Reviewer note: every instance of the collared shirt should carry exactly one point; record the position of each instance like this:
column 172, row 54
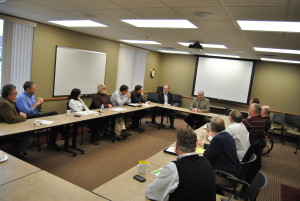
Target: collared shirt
column 166, row 99
column 240, row 135
column 166, row 182
column 77, row 105
column 99, row 99
column 117, row 99
column 25, row 103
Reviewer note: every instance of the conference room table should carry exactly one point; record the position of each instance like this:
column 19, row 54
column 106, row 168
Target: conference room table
column 124, row 187
column 14, row 168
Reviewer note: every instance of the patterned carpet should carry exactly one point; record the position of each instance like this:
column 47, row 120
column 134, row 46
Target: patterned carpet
column 101, row 163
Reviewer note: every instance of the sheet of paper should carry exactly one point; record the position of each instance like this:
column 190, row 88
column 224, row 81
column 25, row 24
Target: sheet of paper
column 156, row 172
column 171, row 149
column 200, row 151
column 118, row 109
column 46, row 122
column 87, row 112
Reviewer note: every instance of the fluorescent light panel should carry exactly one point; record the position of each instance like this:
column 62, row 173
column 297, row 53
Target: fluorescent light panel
column 160, row 23
column 205, row 45
column 142, row 42
column 281, row 60
column 278, row 26
column 222, row 55
column 173, row 52
column 262, row 49
column 78, row 23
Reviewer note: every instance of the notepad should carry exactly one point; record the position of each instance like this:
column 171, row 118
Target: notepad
column 46, row 122
column 200, row 150
column 87, row 112
column 156, row 172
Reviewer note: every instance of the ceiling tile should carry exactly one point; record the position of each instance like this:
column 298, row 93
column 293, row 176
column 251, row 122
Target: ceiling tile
column 294, row 13
column 257, row 13
column 29, row 6
column 219, row 13
column 139, row 3
column 63, row 5
column 254, row 2
column 294, row 3
column 119, row 14
column 157, row 13
column 218, row 25
column 191, row 3
column 264, row 39
column 291, row 41
column 95, row 4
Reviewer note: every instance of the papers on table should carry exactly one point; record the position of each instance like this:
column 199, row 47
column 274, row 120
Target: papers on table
column 135, row 104
column 156, row 172
column 200, row 151
column 171, row 150
column 87, row 112
column 118, row 109
column 46, row 122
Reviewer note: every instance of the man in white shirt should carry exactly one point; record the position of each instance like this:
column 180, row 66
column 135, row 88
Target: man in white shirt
column 190, row 177
column 239, row 133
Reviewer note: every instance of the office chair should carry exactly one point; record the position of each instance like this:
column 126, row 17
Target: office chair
column 153, row 97
column 159, row 89
column 278, row 124
column 259, row 182
column 295, row 131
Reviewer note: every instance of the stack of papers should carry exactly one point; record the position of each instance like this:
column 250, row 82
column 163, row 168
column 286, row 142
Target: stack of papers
column 156, row 172
column 46, row 122
column 118, row 109
column 87, row 112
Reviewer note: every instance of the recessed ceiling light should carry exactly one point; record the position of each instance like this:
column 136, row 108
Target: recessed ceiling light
column 142, row 42
column 203, row 14
column 279, row 26
column 222, row 55
column 160, row 23
column 173, row 52
column 262, row 49
column 78, row 23
column 205, row 45
column 280, row 60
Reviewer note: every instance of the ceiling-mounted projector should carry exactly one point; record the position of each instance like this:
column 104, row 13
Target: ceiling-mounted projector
column 196, row 45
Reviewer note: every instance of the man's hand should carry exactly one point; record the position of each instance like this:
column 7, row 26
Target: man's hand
column 199, row 110
column 110, row 106
column 40, row 101
column 200, row 143
column 23, row 115
column 128, row 95
column 194, row 109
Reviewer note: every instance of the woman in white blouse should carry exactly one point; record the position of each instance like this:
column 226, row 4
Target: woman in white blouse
column 77, row 105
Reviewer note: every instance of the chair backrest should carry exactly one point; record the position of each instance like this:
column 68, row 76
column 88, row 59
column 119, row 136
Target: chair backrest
column 297, row 122
column 248, row 170
column 159, row 89
column 176, row 98
column 290, row 118
column 152, row 97
column 259, row 182
column 278, row 119
column 68, row 108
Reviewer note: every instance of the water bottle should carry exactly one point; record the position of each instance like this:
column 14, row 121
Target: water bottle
column 102, row 109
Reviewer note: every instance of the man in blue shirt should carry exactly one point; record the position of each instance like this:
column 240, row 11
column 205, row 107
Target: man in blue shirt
column 28, row 104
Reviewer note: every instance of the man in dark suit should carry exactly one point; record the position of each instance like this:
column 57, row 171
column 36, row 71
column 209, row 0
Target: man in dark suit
column 166, row 98
column 10, row 115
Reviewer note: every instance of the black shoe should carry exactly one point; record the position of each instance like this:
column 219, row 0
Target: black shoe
column 125, row 135
column 118, row 137
column 95, row 143
column 172, row 127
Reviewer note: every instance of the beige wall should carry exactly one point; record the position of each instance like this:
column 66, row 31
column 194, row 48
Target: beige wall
column 274, row 83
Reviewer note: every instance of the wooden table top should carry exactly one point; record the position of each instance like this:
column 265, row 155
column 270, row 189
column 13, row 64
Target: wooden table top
column 43, row 186
column 15, row 168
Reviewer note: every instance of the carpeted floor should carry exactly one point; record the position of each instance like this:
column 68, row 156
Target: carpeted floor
column 101, row 163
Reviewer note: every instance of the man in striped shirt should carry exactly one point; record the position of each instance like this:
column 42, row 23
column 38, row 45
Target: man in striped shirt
column 255, row 123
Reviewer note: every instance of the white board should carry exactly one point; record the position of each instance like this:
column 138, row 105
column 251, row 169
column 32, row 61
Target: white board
column 224, row 79
column 76, row 68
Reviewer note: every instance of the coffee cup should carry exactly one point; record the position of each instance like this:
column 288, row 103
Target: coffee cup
column 142, row 167
column 68, row 112
column 2, row 154
column 37, row 122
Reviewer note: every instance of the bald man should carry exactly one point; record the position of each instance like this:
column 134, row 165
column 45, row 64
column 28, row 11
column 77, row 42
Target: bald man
column 265, row 113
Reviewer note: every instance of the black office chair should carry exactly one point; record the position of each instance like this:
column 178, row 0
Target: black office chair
column 296, row 131
column 278, row 125
column 153, row 97
column 160, row 89
column 259, row 182
column 176, row 99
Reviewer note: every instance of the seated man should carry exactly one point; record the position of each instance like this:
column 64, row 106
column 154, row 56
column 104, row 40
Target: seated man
column 119, row 98
column 221, row 152
column 265, row 113
column 201, row 105
column 27, row 103
column 10, row 115
column 255, row 123
column 253, row 100
column 137, row 97
column 166, row 98
column 189, row 178
column 239, row 133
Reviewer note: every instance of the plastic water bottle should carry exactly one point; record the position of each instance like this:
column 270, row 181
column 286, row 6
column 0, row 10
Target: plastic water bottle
column 102, row 109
